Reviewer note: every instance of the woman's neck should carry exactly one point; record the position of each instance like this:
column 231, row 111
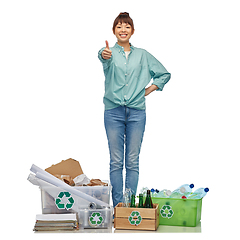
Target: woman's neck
column 126, row 45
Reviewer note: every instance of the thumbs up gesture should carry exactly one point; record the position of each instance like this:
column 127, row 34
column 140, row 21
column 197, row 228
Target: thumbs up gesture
column 106, row 53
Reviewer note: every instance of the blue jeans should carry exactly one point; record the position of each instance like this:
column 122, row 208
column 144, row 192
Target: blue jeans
column 124, row 128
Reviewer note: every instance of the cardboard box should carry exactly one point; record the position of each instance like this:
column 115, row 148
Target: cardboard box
column 136, row 218
column 66, row 167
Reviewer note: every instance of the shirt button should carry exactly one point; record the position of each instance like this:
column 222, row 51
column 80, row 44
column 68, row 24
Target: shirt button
column 126, row 84
column 125, row 96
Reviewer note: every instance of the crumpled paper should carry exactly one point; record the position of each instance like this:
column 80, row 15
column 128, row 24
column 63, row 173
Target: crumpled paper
column 81, row 180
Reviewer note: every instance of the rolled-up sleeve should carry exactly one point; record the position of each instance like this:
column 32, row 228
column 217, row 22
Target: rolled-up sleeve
column 158, row 72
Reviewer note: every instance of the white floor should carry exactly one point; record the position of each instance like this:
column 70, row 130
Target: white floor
column 161, row 229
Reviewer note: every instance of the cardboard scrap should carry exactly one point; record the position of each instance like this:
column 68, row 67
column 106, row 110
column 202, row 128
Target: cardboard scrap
column 69, row 167
column 96, row 182
column 66, row 178
column 68, row 171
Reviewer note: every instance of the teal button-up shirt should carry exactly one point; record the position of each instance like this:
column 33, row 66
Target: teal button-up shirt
column 127, row 78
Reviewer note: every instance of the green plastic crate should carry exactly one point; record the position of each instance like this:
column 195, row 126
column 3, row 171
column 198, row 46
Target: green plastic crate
column 179, row 212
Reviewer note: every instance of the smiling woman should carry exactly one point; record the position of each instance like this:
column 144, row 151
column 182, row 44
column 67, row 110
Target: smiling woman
column 128, row 70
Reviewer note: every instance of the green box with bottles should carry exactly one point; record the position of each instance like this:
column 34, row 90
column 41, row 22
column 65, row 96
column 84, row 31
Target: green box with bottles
column 179, row 212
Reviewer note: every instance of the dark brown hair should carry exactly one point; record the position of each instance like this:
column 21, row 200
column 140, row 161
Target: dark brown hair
column 123, row 18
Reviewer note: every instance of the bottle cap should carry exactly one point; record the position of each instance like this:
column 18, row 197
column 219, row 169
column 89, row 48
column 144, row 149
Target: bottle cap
column 157, row 191
column 184, row 197
column 182, row 190
column 152, row 190
column 168, row 192
column 206, row 189
column 191, row 185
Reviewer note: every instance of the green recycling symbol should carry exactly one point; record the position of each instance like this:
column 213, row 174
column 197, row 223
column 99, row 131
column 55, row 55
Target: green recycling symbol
column 135, row 218
column 166, row 211
column 64, row 202
column 95, row 219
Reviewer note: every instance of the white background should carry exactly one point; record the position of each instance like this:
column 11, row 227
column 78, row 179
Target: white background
column 51, row 91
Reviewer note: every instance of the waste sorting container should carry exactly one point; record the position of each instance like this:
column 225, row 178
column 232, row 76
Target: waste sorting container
column 179, row 212
column 56, row 200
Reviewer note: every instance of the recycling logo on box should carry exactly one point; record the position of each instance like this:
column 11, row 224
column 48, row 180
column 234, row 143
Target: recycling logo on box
column 95, row 219
column 64, row 200
column 166, row 211
column 135, row 218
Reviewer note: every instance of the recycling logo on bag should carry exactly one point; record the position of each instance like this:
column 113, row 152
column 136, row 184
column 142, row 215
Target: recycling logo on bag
column 166, row 211
column 64, row 200
column 135, row 218
column 95, row 219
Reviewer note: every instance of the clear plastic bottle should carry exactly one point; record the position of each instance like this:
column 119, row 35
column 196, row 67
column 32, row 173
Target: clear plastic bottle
column 183, row 190
column 163, row 194
column 154, row 192
column 198, row 194
column 188, row 187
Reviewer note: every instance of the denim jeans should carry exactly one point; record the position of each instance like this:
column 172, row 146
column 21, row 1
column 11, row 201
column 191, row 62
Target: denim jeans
column 124, row 128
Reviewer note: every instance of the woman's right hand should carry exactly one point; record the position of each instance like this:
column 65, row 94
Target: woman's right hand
column 106, row 53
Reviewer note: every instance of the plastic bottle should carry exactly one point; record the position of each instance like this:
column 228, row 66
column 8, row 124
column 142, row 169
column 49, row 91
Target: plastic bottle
column 188, row 187
column 185, row 189
column 178, row 193
column 163, row 194
column 154, row 192
column 198, row 194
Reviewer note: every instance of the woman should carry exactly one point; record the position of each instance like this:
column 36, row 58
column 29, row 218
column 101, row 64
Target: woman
column 128, row 70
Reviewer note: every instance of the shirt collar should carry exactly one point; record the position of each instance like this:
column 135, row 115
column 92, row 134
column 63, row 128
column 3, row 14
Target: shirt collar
column 122, row 48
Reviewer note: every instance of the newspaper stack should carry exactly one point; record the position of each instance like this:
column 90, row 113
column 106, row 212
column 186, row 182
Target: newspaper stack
column 56, row 222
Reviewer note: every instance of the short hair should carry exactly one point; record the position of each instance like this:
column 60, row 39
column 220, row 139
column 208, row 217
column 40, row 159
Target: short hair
column 123, row 18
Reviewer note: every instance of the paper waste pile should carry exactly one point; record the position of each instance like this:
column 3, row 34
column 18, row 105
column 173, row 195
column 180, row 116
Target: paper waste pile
column 66, row 181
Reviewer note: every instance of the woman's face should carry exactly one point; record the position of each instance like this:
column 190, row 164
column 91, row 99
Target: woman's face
column 123, row 32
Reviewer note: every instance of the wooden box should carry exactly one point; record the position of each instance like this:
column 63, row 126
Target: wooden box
column 136, row 218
